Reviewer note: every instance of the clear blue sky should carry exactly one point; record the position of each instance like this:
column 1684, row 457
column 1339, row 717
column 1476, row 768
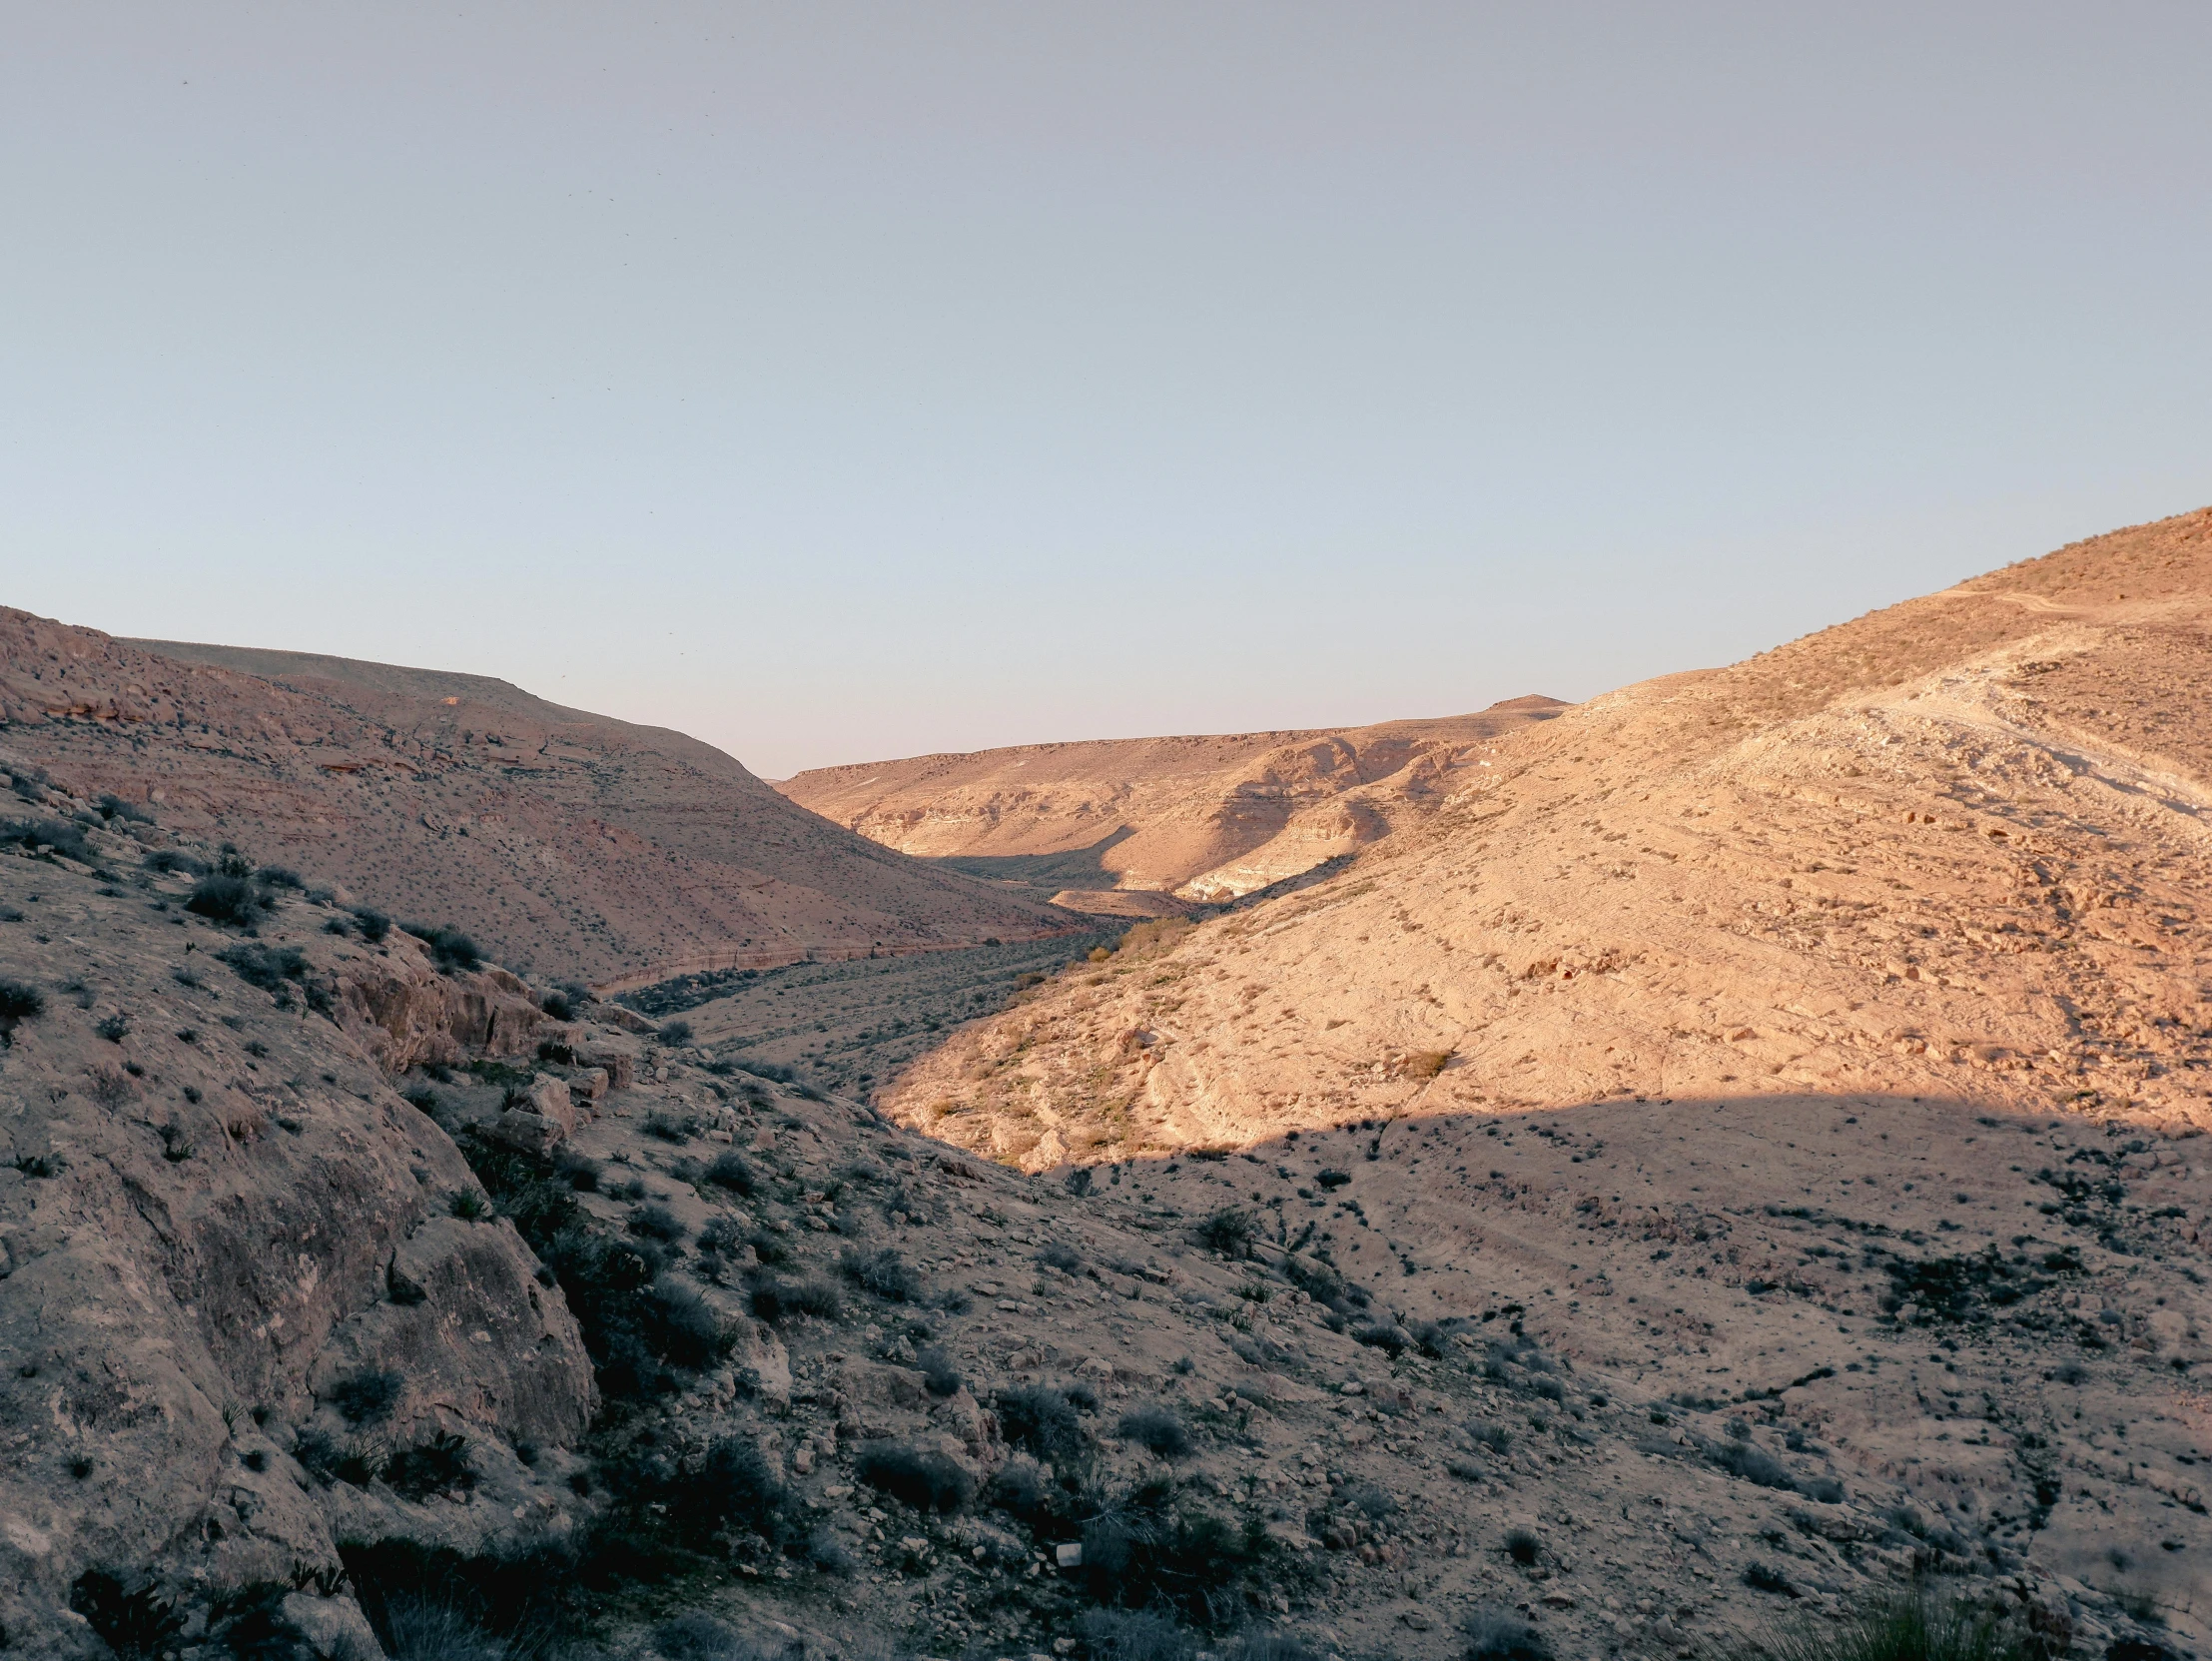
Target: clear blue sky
column 838, row 383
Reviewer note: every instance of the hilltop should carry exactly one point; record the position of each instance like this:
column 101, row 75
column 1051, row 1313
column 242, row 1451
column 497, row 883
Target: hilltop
column 1204, row 818
column 571, row 844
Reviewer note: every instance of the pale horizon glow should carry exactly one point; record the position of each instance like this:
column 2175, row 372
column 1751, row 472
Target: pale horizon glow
column 838, row 383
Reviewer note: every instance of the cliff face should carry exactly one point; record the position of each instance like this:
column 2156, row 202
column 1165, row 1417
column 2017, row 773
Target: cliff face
column 1206, row 818
column 571, row 845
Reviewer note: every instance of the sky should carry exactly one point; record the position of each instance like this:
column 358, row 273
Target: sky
column 841, row 382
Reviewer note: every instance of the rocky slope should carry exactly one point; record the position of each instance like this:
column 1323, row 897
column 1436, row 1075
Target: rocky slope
column 1205, row 818
column 571, row 844
column 1954, row 847
column 1754, row 1023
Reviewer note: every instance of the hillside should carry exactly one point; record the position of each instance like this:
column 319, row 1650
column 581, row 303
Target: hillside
column 569, row 844
column 358, row 1303
column 1204, row 818
column 1954, row 847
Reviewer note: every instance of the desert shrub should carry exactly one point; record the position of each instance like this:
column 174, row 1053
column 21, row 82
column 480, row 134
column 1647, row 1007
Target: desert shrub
column 939, row 1372
column 468, row 1205
column 1045, row 1421
column 1229, row 1231
column 773, row 1071
column 1753, row 1465
column 135, row 1622
column 20, row 1001
column 1429, row 1338
column 722, row 1236
column 1765, row 1577
column 1523, row 1547
column 830, row 1554
column 1387, row 1336
column 657, row 1222
column 698, row 1636
column 1467, row 1470
column 676, row 1129
column 372, row 924
column 434, row 1604
column 1369, row 1499
column 2066, row 1372
column 578, row 1171
column 1061, row 1256
column 450, row 950
column 1495, row 1438
column 1157, row 1428
column 924, row 1480
column 1078, row 1180
column 366, row 1394
column 115, row 807
column 775, row 1299
column 1334, row 1179
column 675, row 1034
column 1142, row 1552
column 1492, row 1636
column 1549, row 1389
column 681, row 1326
column 559, row 1006
column 732, row 1490
column 438, row 1466
column 729, row 1171
column 171, row 859
column 227, row 899
column 1133, row 1635
column 279, row 876
column 883, row 1272
column 268, row 967
column 422, row 1099
column 57, row 835
column 1022, row 1488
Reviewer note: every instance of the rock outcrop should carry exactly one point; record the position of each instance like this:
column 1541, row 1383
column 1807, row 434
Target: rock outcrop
column 222, row 1231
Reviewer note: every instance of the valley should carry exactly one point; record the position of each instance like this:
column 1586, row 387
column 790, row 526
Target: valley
column 1624, row 1178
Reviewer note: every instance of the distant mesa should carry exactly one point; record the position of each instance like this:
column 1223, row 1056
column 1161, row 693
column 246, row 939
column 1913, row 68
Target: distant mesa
column 1197, row 818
